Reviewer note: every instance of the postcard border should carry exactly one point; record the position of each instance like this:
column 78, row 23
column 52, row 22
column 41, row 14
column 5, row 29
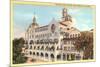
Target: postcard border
column 47, row 4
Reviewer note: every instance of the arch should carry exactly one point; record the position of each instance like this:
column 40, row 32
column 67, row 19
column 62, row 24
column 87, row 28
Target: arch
column 58, row 57
column 46, row 54
column 46, row 48
column 30, row 53
column 68, row 57
column 34, row 47
column 41, row 41
column 65, row 48
column 31, row 42
column 72, row 56
column 79, row 35
column 75, row 35
column 33, row 53
column 57, row 47
column 64, row 56
column 47, row 41
column 42, row 54
column 37, row 53
column 52, row 48
column 37, row 41
column 70, row 36
column 42, row 48
column 56, row 41
column 38, row 47
column 52, row 56
column 30, row 46
column 50, row 41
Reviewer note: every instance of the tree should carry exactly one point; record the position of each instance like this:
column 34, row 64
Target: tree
column 18, row 57
column 85, row 43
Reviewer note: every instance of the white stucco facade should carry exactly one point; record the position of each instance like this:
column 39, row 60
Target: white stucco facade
column 53, row 42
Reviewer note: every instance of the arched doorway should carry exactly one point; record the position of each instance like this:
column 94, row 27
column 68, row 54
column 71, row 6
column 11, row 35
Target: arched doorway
column 52, row 56
column 37, row 53
column 58, row 57
column 46, row 55
column 42, row 55
column 33, row 53
column 30, row 53
column 64, row 56
column 72, row 56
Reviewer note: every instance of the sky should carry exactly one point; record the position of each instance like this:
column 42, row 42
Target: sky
column 23, row 15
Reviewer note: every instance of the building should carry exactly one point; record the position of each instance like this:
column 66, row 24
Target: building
column 53, row 42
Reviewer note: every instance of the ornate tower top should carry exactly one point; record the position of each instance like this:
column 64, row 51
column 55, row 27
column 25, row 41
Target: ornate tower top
column 34, row 21
column 65, row 15
column 64, row 12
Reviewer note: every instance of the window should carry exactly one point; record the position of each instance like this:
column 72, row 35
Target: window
column 31, row 47
column 70, row 36
column 75, row 35
column 68, row 29
column 30, row 53
column 34, row 47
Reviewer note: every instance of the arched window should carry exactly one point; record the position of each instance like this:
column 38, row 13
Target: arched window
column 46, row 55
column 56, row 41
column 52, row 48
column 75, row 35
column 46, row 48
column 64, row 56
column 70, row 36
column 26, row 42
column 42, row 48
column 31, row 42
column 30, row 46
column 37, row 41
column 52, row 56
column 57, row 48
column 38, row 47
column 37, row 54
column 58, row 57
column 34, row 47
column 33, row 53
column 30, row 53
column 42, row 54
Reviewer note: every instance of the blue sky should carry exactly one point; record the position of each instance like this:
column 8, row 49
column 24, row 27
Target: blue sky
column 23, row 15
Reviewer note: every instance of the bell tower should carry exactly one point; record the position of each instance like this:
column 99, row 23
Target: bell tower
column 64, row 12
column 65, row 15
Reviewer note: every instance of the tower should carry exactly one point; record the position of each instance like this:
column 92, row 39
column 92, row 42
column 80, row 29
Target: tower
column 34, row 19
column 64, row 12
column 65, row 15
column 34, row 22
